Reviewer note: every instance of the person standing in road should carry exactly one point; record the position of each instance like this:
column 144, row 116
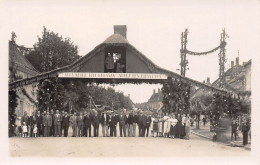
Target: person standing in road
column 73, row 123
column 130, row 122
column 87, row 123
column 65, row 123
column 187, row 126
column 148, row 124
column 80, row 124
column 112, row 125
column 39, row 123
column 135, row 122
column 52, row 126
column 104, row 123
column 122, row 122
column 245, row 129
column 57, row 124
column 61, row 127
column 234, row 130
column 47, row 123
column 96, row 124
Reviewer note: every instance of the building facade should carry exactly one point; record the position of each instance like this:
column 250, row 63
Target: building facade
column 21, row 68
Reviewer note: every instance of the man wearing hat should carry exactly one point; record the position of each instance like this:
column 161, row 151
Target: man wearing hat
column 104, row 122
column 57, row 124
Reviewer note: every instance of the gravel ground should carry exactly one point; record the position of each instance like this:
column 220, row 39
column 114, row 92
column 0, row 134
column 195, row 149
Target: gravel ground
column 119, row 146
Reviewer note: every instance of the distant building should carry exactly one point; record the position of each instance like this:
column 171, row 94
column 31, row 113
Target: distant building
column 21, row 68
column 237, row 79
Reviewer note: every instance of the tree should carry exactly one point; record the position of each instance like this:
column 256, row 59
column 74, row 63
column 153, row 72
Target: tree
column 54, row 51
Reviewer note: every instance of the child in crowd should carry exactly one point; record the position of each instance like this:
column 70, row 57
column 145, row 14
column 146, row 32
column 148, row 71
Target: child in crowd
column 35, row 130
column 20, row 131
column 24, row 128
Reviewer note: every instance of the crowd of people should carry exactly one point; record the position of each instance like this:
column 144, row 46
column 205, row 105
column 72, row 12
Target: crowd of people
column 127, row 123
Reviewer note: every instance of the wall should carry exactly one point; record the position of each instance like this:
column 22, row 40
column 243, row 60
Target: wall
column 248, row 77
column 26, row 105
column 135, row 64
column 95, row 64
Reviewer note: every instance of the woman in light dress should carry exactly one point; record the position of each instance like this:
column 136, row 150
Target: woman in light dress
column 155, row 126
column 160, row 126
column 187, row 126
column 165, row 125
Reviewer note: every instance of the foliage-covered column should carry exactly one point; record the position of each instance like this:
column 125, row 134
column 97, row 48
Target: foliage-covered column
column 11, row 111
column 50, row 94
column 176, row 95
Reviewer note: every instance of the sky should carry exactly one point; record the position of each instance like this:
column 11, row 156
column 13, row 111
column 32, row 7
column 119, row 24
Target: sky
column 153, row 27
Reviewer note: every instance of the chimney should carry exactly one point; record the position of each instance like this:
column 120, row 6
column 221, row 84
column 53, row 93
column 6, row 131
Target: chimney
column 129, row 95
column 120, row 29
column 232, row 64
column 154, row 91
column 208, row 80
column 237, row 61
column 203, row 81
column 159, row 90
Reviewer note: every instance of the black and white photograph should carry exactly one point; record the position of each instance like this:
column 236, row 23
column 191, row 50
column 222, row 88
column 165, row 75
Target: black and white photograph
column 130, row 79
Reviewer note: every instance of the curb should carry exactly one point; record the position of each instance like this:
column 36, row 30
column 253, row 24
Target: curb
column 206, row 137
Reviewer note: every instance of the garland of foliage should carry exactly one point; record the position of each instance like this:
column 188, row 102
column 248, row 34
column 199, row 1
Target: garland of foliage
column 176, row 95
column 11, row 112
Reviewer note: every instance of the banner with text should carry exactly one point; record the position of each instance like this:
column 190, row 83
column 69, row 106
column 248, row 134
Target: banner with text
column 112, row 75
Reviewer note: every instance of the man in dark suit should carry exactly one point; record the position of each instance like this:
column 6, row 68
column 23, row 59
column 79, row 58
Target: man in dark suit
column 130, row 122
column 87, row 123
column 61, row 127
column 148, row 123
column 95, row 123
column 135, row 122
column 104, row 123
column 39, row 123
column 66, row 123
column 122, row 123
column 112, row 125
column 143, row 124
column 84, row 129
column 57, row 124
column 140, row 124
column 80, row 124
column 52, row 126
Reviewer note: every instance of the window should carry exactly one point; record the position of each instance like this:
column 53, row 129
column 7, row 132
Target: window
column 115, row 59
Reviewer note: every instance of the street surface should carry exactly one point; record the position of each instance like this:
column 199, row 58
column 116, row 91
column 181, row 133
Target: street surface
column 119, row 146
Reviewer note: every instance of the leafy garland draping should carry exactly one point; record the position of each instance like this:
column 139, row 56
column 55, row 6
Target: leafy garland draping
column 222, row 44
